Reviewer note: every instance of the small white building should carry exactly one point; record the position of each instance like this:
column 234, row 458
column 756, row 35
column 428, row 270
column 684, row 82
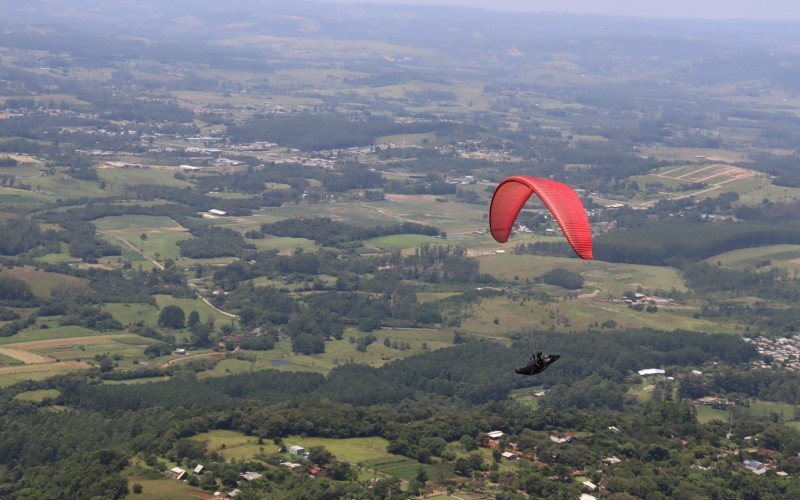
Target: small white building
column 509, row 456
column 199, row 469
column 176, row 473
column 755, row 466
column 218, row 213
column 612, row 460
column 652, row 372
column 189, row 168
column 495, row 434
column 180, row 351
column 296, row 450
column 291, row 465
column 250, row 476
column 589, row 485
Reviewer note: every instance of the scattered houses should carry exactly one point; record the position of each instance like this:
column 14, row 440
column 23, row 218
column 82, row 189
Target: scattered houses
column 784, row 352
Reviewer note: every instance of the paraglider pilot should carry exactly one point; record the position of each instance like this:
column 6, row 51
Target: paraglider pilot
column 538, row 364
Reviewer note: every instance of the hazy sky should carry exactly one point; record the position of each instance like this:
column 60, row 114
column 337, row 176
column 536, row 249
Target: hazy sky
column 701, row 9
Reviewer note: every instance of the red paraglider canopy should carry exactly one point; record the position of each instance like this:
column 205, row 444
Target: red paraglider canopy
column 562, row 201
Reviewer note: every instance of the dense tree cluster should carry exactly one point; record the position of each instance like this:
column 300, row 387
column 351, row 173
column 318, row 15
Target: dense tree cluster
column 213, row 241
column 320, row 132
column 563, row 278
column 332, row 233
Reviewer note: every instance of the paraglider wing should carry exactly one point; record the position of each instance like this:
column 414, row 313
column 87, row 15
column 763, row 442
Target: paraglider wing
column 562, row 201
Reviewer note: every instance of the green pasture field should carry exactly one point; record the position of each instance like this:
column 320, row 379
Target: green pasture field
column 53, row 332
column 229, row 366
column 133, row 313
column 37, row 396
column 416, row 336
column 329, row 49
column 135, row 381
column 8, row 379
column 406, row 469
column 264, row 281
column 754, row 191
column 284, row 245
column 234, row 445
column 135, row 222
column 219, row 261
column 782, row 256
column 337, row 352
column 607, row 277
column 353, row 450
column 67, row 187
column 691, row 154
column 117, row 178
column 20, row 198
column 423, row 297
column 161, row 488
column 198, row 305
column 9, row 361
column 525, row 396
column 402, row 241
column 190, row 97
column 161, row 241
column 131, row 348
column 42, row 283
column 136, row 259
column 767, row 408
column 232, row 196
column 706, row 414
column 450, row 217
column 413, row 139
column 642, row 391
column 514, row 317
column 310, row 76
column 56, row 258
column 371, row 452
